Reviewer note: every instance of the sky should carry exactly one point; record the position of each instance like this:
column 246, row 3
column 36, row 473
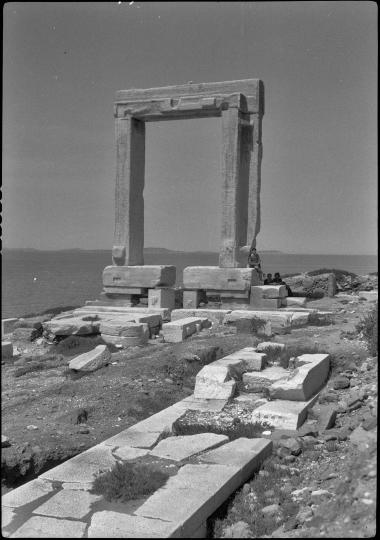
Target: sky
column 63, row 63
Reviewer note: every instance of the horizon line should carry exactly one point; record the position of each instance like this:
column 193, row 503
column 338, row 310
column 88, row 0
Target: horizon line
column 188, row 251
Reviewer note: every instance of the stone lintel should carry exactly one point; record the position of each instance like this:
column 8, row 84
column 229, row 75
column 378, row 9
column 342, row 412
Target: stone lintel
column 252, row 88
column 183, row 107
column 146, row 276
column 215, row 278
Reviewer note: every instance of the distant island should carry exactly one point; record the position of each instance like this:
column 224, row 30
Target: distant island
column 149, row 250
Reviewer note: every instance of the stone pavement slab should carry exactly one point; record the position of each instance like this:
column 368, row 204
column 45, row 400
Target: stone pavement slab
column 68, row 504
column 25, row 494
column 191, row 496
column 48, row 527
column 182, row 447
column 108, row 524
column 127, row 453
column 83, row 467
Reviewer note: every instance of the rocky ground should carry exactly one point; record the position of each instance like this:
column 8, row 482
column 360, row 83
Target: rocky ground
column 325, row 481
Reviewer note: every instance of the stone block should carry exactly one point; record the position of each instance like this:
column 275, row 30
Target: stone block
column 71, row 326
column 127, row 341
column 148, row 276
column 307, row 379
column 7, row 325
column 260, row 381
column 125, row 329
column 135, row 437
column 183, row 447
column 371, row 296
column 27, row 493
column 300, row 319
column 215, row 278
column 68, row 504
column 109, row 524
column 191, row 299
column 91, row 360
column 268, row 291
column 215, row 315
column 48, row 527
column 247, row 359
column 162, row 298
column 6, row 349
column 177, row 331
column 291, row 301
column 214, row 382
column 231, row 295
column 283, row 414
column 265, row 303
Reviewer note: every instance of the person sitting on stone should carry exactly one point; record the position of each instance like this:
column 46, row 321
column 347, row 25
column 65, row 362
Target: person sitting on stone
column 279, row 281
column 268, row 280
column 255, row 262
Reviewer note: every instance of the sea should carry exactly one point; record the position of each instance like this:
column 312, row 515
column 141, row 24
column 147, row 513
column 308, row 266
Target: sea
column 34, row 281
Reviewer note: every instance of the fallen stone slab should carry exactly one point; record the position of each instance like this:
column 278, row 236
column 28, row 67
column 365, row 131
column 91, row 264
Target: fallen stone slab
column 215, row 278
column 71, row 326
column 27, row 493
column 183, row 447
column 7, row 325
column 282, row 413
column 91, row 360
column 82, row 468
column 48, row 527
column 148, row 276
column 121, row 311
column 247, row 359
column 177, row 331
column 280, row 318
column 214, row 382
column 307, row 379
column 213, row 315
column 109, row 524
column 6, row 349
column 68, row 504
column 371, row 296
column 260, row 381
column 126, row 329
column 326, row 416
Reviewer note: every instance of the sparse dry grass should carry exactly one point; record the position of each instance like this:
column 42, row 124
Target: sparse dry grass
column 128, row 481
